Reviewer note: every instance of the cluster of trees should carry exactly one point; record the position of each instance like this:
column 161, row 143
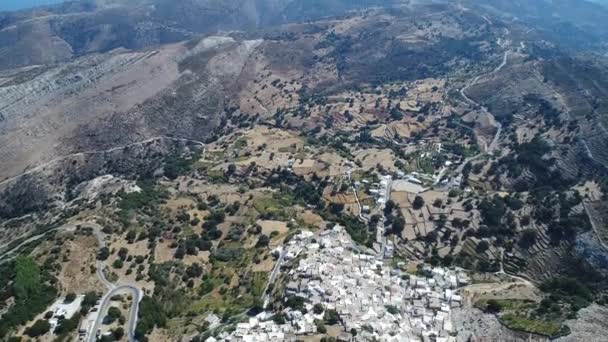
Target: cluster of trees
column 555, row 210
column 149, row 197
column 544, row 108
column 176, row 165
column 567, row 288
column 114, row 314
column 228, row 254
column 32, row 293
column 151, row 314
column 531, row 156
column 195, row 243
column 394, row 218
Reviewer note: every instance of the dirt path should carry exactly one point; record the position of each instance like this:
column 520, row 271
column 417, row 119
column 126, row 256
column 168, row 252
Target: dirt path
column 595, row 227
column 114, row 149
column 361, row 217
column 6, row 256
column 494, row 144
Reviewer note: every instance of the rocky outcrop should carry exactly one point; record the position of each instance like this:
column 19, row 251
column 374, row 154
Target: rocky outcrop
column 589, row 247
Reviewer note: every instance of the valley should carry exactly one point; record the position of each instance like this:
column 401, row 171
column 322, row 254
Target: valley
column 412, row 170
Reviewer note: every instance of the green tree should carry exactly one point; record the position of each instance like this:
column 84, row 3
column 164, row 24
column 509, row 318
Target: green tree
column 528, row 238
column 398, row 225
column 39, row 328
column 336, row 208
column 418, row 202
column 117, row 264
column 263, row 241
column 27, row 279
column 103, row 254
column 118, row 333
column 90, row 299
column 482, row 246
column 70, row 297
column 113, row 314
column 331, row 317
column 151, row 314
column 68, row 325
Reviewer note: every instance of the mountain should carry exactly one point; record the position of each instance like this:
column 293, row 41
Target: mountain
column 323, row 170
column 13, row 5
column 72, row 29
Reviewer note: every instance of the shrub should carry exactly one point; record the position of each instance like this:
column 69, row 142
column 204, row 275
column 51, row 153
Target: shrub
column 493, row 306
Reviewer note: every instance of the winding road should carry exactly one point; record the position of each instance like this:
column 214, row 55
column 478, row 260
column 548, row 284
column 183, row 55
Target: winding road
column 113, row 289
column 494, row 143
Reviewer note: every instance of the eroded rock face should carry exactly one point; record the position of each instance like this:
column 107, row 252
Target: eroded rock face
column 49, row 106
column 590, row 325
column 102, row 101
column 474, row 325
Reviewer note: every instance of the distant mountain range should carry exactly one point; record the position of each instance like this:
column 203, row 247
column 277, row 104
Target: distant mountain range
column 13, row 5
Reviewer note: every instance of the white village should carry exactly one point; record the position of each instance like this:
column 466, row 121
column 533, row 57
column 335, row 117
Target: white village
column 373, row 300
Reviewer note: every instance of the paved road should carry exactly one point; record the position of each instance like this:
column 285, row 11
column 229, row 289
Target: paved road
column 104, row 305
column 273, row 276
column 113, row 289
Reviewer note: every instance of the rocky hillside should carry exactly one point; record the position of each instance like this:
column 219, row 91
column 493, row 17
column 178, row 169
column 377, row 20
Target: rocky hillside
column 58, row 33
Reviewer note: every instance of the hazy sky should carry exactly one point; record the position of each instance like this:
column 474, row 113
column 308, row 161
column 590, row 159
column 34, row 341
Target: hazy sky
column 11, row 5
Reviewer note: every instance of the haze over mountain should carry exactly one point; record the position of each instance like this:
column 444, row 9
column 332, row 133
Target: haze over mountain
column 12, row 5
column 354, row 170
